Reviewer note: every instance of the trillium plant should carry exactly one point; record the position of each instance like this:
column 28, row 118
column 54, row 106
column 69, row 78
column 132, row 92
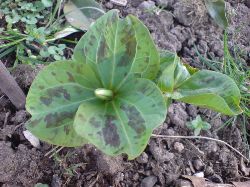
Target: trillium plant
column 116, row 89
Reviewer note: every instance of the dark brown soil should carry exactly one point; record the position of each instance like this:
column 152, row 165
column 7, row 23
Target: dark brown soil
column 183, row 27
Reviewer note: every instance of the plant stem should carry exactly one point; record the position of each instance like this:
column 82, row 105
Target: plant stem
column 9, row 86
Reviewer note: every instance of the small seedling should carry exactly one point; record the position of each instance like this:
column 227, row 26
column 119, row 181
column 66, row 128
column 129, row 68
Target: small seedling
column 18, row 11
column 31, row 31
column 113, row 92
column 198, row 125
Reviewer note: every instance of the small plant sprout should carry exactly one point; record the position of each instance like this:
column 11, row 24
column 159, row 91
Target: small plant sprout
column 113, row 92
column 198, row 125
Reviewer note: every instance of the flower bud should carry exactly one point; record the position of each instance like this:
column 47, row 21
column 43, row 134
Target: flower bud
column 104, row 94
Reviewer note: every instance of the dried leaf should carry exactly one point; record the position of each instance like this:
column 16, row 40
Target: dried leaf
column 81, row 14
column 196, row 181
column 65, row 32
column 241, row 184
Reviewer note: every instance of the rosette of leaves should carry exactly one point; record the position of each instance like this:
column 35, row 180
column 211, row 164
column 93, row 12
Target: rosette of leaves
column 103, row 96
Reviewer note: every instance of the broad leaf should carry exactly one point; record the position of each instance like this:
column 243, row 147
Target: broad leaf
column 211, row 90
column 146, row 62
column 82, row 13
column 116, row 41
column 110, row 45
column 216, row 9
column 125, row 124
column 54, row 98
column 172, row 72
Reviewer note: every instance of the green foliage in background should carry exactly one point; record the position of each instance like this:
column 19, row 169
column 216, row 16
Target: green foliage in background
column 31, row 31
column 26, row 12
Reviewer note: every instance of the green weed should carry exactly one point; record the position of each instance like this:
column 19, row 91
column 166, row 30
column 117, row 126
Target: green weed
column 238, row 70
column 30, row 31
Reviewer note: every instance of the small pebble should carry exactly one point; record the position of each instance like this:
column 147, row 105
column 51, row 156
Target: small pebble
column 136, row 3
column 216, row 178
column 147, row 5
column 188, row 171
column 143, row 158
column 148, row 172
column 199, row 174
column 109, row 5
column 198, row 165
column 192, row 110
column 163, row 3
column 136, row 177
column 20, row 116
column 56, row 181
column 209, row 171
column 247, row 2
column 119, row 2
column 178, row 147
column 149, row 181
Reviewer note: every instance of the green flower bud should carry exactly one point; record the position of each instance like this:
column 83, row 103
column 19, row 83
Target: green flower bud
column 104, row 94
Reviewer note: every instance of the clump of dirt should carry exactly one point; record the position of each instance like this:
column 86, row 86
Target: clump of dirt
column 190, row 12
column 25, row 74
column 20, row 167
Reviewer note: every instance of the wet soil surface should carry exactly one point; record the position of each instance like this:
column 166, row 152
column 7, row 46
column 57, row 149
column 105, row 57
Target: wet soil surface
column 176, row 25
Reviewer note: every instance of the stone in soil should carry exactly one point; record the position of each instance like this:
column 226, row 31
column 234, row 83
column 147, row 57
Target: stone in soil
column 149, row 181
column 160, row 153
column 177, row 114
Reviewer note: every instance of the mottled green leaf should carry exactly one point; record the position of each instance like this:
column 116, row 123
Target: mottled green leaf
column 110, row 45
column 125, row 124
column 211, row 90
column 54, row 98
column 147, row 60
column 82, row 13
column 125, row 43
column 172, row 72
column 216, row 9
